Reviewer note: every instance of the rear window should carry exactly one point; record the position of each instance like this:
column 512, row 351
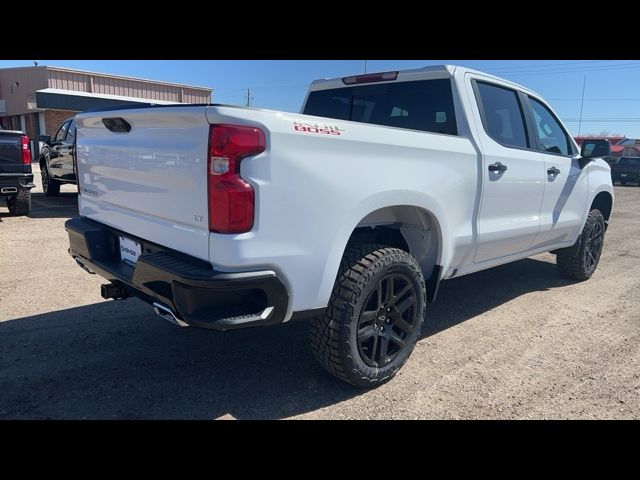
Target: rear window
column 629, row 161
column 425, row 105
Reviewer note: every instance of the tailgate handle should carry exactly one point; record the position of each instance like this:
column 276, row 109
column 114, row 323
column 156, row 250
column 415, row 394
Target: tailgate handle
column 117, row 124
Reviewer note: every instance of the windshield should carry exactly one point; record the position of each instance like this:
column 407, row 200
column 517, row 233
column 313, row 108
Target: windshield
column 425, row 105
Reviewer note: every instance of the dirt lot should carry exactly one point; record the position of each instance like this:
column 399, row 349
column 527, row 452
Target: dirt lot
column 513, row 342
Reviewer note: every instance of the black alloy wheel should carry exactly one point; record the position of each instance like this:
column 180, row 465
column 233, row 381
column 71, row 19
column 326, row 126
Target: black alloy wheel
column 387, row 320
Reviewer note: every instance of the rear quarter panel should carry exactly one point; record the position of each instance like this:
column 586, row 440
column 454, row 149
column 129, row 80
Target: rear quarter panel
column 312, row 190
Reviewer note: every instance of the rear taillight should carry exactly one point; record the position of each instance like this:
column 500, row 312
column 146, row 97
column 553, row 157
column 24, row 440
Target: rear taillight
column 231, row 199
column 26, row 151
column 370, row 78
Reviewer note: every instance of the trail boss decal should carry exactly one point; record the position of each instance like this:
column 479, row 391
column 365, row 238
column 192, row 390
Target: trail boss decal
column 320, row 128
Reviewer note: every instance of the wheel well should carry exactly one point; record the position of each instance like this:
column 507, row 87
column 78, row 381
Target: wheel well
column 408, row 228
column 383, row 235
column 604, row 203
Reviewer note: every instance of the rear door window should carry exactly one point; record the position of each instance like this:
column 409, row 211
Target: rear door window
column 502, row 116
column 425, row 105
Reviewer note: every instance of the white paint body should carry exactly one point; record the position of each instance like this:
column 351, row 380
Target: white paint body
column 313, row 190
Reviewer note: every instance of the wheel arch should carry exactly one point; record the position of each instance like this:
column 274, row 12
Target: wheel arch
column 410, row 228
column 603, row 201
column 405, row 210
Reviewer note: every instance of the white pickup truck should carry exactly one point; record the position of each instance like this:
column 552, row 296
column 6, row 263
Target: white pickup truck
column 350, row 213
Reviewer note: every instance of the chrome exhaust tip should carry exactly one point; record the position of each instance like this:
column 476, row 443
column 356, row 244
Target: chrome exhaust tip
column 9, row 190
column 168, row 315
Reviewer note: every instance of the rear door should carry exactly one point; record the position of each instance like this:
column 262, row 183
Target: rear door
column 513, row 173
column 565, row 187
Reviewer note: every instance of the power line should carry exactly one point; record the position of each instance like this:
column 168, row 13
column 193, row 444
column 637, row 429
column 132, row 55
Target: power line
column 551, row 68
column 545, row 65
column 603, row 120
column 574, row 70
column 595, row 99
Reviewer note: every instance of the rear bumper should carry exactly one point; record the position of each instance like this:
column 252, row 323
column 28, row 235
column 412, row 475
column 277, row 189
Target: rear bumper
column 22, row 180
column 188, row 287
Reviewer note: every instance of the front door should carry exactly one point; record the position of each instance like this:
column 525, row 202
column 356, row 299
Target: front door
column 566, row 188
column 513, row 175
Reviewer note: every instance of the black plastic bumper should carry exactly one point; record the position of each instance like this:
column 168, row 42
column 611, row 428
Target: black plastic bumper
column 23, row 180
column 189, row 287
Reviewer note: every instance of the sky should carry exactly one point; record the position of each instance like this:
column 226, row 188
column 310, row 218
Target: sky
column 611, row 90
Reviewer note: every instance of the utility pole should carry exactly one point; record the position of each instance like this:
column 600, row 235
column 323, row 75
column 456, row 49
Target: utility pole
column 365, row 66
column 584, row 83
column 248, row 97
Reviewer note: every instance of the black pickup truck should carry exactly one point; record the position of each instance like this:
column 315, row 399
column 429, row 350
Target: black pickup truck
column 16, row 177
column 626, row 170
column 57, row 163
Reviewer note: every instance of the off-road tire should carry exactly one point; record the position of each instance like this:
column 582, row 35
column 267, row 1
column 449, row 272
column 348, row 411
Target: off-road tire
column 335, row 339
column 580, row 263
column 20, row 203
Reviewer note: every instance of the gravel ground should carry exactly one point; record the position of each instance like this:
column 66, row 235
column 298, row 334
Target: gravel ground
column 513, row 342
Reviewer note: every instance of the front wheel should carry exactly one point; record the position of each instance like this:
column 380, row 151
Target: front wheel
column 374, row 316
column 580, row 263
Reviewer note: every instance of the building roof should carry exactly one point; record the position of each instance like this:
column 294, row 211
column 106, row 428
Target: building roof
column 615, row 140
column 76, row 93
column 88, row 72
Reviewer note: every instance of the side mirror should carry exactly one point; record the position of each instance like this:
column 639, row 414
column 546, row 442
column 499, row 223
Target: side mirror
column 45, row 138
column 594, row 148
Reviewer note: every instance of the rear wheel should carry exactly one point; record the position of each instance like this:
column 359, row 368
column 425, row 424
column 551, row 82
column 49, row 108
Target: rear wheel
column 20, row 203
column 374, row 316
column 580, row 263
column 50, row 187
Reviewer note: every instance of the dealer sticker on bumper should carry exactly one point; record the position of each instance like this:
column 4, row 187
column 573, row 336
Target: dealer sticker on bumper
column 129, row 251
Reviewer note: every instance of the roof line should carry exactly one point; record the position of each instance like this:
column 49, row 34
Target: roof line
column 106, row 96
column 64, row 69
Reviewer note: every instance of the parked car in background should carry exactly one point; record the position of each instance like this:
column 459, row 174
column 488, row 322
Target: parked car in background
column 16, row 178
column 626, row 170
column 57, row 158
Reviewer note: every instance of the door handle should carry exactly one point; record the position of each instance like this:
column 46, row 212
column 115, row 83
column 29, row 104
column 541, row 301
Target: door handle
column 497, row 168
column 553, row 171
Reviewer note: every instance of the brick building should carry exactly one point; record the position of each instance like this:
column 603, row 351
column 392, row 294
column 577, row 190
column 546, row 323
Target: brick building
column 38, row 99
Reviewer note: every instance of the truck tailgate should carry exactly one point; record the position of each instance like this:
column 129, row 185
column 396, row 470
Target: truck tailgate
column 150, row 181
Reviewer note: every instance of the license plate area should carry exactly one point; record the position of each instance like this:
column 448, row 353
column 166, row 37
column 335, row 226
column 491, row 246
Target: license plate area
column 130, row 250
